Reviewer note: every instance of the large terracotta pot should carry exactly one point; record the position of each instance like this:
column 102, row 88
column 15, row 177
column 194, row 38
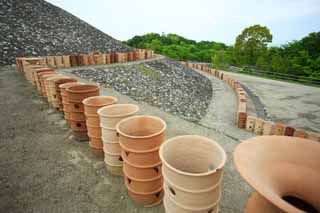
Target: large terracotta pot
column 141, row 133
column 52, row 92
column 143, row 185
column 192, row 170
column 92, row 104
column 44, row 84
column 59, row 95
column 35, row 73
column 109, row 135
column 112, row 147
column 143, row 159
column 79, row 92
column 111, row 115
column 65, row 99
column 141, row 172
column 146, row 199
column 285, row 171
column 40, row 82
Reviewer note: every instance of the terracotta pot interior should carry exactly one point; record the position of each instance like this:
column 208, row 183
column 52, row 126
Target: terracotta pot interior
column 193, row 155
column 141, row 126
column 83, row 88
column 285, row 170
column 118, row 110
column 99, row 101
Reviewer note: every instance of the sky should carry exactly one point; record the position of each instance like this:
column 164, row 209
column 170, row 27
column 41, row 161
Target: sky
column 212, row 20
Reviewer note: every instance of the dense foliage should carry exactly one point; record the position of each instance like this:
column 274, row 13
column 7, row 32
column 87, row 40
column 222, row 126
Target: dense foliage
column 251, row 49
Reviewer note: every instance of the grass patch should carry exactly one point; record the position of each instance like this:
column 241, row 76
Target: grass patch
column 147, row 71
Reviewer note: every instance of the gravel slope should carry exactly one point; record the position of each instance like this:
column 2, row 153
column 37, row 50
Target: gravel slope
column 163, row 83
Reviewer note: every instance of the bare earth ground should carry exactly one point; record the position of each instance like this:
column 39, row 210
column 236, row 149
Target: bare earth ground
column 43, row 170
column 292, row 104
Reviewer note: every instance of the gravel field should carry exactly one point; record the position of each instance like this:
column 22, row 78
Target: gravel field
column 162, row 83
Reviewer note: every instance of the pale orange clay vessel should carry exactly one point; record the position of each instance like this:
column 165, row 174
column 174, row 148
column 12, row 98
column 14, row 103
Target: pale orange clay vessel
column 285, row 172
column 78, row 93
column 92, row 104
column 42, row 79
column 142, row 172
column 143, row 185
column 40, row 83
column 141, row 133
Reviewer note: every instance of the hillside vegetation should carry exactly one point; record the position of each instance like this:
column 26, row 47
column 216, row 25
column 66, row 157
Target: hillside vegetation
column 251, row 50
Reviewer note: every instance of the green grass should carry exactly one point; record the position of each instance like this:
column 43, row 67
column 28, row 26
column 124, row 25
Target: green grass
column 147, row 71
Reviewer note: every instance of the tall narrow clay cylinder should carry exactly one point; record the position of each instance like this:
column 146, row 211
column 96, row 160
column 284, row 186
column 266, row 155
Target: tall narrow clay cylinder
column 192, row 170
column 76, row 94
column 140, row 138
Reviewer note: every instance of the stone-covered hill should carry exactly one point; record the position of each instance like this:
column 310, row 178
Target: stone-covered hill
column 36, row 27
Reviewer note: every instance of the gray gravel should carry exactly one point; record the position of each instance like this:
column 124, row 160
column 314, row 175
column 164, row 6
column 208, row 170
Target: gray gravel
column 36, row 27
column 163, row 83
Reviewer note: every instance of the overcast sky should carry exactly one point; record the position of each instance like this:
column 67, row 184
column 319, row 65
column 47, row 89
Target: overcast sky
column 199, row 20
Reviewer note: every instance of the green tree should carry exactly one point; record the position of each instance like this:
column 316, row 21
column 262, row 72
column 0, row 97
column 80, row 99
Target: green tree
column 251, row 44
column 262, row 63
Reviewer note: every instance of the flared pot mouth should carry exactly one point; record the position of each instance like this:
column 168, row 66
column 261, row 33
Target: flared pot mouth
column 134, row 126
column 99, row 101
column 214, row 160
column 118, row 110
column 85, row 88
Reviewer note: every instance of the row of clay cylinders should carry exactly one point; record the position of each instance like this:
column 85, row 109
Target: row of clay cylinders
column 75, row 95
column 91, row 106
column 109, row 117
column 140, row 138
column 51, row 89
column 192, row 170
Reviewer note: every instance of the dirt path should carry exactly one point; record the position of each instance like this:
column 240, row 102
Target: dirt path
column 43, row 170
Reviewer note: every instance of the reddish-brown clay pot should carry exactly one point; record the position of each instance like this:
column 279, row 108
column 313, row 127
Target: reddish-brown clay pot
column 291, row 172
column 78, row 125
column 95, row 142
column 92, row 120
column 146, row 199
column 78, row 93
column 141, row 133
column 192, row 171
column 142, row 172
column 43, row 85
column 40, row 83
column 92, row 104
column 95, row 131
column 77, row 116
column 75, row 106
column 143, row 185
column 142, row 159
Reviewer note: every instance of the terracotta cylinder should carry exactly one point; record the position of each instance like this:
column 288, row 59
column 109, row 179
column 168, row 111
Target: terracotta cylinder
column 31, row 76
column 95, row 142
column 112, row 147
column 66, row 61
column 57, row 85
column 74, row 61
column 92, row 104
column 141, row 133
column 59, row 61
column 91, row 60
column 250, row 123
column 258, row 126
column 142, row 172
column 143, row 159
column 267, row 128
column 44, row 84
column 65, row 99
column 39, row 73
column 109, row 135
column 114, row 170
column 146, row 199
column 287, row 180
column 113, row 159
column 143, row 185
column 279, row 129
column 193, row 182
column 80, row 92
column 111, row 115
column 85, row 60
column 35, row 75
column 289, row 131
column 52, row 92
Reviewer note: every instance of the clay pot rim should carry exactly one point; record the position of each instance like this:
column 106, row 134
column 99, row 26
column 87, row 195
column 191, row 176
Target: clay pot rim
column 86, row 101
column 141, row 180
column 91, row 88
column 276, row 201
column 67, row 77
column 219, row 167
column 142, row 167
column 100, row 111
column 193, row 209
column 156, row 149
column 145, row 136
column 145, row 193
column 68, row 84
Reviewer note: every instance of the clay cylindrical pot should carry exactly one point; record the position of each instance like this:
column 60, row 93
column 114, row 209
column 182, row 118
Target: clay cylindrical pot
column 192, row 171
column 95, row 142
column 172, row 207
column 112, row 147
column 146, row 199
column 284, row 170
column 59, row 95
column 65, row 100
column 109, row 134
column 139, row 172
column 143, row 159
column 92, row 120
column 141, row 133
column 44, row 86
column 113, row 159
column 145, row 185
column 40, row 82
column 31, row 73
column 95, row 131
column 92, row 104
column 36, row 71
column 79, row 92
column 111, row 115
column 52, row 92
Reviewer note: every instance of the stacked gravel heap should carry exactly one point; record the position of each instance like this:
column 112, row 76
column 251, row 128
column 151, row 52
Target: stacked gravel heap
column 164, row 83
column 36, row 27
